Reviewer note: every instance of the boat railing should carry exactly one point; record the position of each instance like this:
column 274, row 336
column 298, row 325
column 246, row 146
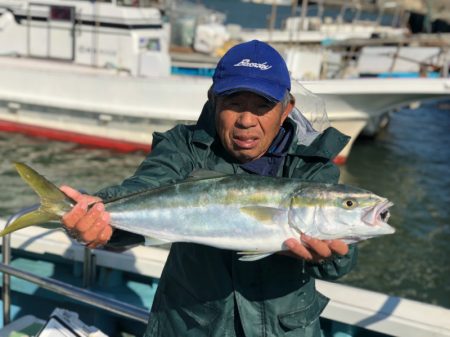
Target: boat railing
column 80, row 294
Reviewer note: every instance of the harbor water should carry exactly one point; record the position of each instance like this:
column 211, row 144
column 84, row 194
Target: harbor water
column 408, row 163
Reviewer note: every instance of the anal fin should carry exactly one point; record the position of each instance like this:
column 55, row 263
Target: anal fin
column 150, row 241
column 253, row 256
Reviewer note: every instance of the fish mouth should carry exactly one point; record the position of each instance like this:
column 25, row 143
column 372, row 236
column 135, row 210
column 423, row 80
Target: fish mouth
column 378, row 215
column 384, row 216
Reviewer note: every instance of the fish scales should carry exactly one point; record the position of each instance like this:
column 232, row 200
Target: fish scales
column 206, row 211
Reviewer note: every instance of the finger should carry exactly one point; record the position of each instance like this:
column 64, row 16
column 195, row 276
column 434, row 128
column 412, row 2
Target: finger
column 102, row 238
column 106, row 234
column 93, row 216
column 94, row 231
column 338, row 247
column 70, row 219
column 70, row 192
column 298, row 249
column 318, row 246
column 77, row 196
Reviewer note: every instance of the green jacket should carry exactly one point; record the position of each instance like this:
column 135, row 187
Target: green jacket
column 205, row 291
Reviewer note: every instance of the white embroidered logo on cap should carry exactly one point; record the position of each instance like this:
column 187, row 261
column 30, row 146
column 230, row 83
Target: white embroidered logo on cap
column 247, row 63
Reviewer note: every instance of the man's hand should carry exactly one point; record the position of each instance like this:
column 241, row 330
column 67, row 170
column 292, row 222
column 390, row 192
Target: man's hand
column 315, row 250
column 89, row 225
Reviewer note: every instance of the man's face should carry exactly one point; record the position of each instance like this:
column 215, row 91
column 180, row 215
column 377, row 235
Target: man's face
column 247, row 123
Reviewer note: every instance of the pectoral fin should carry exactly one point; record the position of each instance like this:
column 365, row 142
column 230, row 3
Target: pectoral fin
column 267, row 215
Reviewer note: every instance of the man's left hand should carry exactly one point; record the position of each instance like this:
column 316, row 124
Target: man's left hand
column 314, row 250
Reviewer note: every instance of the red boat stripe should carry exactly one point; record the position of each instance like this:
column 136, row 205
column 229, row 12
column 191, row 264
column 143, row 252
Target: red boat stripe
column 68, row 136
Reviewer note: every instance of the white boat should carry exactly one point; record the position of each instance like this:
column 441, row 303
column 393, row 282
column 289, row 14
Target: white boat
column 65, row 102
column 377, row 97
column 318, row 29
column 99, row 74
column 349, row 306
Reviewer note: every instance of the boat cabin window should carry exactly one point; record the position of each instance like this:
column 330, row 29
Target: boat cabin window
column 152, row 44
column 61, row 13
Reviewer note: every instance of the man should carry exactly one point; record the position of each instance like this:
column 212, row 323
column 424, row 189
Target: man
column 244, row 128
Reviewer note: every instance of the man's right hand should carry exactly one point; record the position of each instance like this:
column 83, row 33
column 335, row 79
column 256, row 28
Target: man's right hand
column 88, row 225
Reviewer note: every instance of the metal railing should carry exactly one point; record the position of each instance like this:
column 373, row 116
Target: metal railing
column 83, row 295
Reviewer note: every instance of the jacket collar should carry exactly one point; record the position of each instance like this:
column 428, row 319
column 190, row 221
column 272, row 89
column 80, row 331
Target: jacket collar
column 327, row 145
column 205, row 131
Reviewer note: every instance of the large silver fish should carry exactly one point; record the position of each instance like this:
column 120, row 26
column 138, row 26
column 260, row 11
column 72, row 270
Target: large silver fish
column 250, row 214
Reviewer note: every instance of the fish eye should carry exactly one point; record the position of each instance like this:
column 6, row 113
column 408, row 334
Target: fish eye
column 349, row 203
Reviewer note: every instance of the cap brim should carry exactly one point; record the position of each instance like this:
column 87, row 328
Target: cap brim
column 271, row 91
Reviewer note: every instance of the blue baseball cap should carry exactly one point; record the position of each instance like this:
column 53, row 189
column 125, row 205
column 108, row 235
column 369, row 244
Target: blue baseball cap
column 252, row 66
